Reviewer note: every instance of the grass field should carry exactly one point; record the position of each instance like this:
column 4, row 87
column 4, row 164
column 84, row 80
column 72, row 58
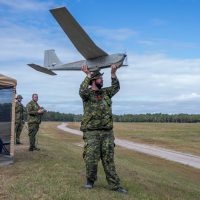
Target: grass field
column 183, row 137
column 58, row 172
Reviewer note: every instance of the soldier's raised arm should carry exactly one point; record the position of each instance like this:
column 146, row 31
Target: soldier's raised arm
column 115, row 86
column 84, row 90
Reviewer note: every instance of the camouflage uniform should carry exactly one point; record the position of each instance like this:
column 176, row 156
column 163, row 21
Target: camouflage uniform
column 19, row 120
column 34, row 120
column 97, row 125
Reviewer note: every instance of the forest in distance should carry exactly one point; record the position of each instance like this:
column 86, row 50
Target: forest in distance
column 157, row 117
column 5, row 115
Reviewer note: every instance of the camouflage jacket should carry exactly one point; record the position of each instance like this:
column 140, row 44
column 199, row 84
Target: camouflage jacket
column 97, row 106
column 19, row 112
column 32, row 110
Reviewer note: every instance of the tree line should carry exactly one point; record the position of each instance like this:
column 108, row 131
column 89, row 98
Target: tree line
column 6, row 108
column 157, row 117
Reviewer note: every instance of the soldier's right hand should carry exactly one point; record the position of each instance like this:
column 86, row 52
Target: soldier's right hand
column 40, row 111
column 85, row 69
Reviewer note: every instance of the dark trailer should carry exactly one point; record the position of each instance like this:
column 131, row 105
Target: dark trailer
column 7, row 119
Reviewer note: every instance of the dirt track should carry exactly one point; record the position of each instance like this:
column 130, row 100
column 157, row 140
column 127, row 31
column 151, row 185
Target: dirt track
column 187, row 159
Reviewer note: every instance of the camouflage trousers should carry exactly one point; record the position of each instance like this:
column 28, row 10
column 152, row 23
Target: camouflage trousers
column 18, row 129
column 99, row 144
column 32, row 131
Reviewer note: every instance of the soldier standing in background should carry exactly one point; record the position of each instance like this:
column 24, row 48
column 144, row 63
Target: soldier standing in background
column 97, row 125
column 19, row 118
column 35, row 113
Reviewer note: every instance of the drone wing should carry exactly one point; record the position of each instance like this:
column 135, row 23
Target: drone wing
column 76, row 34
column 42, row 69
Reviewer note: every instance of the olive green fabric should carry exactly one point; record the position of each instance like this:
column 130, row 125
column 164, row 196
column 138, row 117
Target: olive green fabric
column 97, row 106
column 97, row 125
column 19, row 97
column 32, row 110
column 33, row 119
column 95, row 75
column 19, row 120
column 19, row 112
column 99, row 144
column 32, row 131
column 18, row 130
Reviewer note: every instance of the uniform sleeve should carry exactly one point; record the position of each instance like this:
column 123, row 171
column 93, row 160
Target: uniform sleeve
column 84, row 90
column 24, row 112
column 115, row 87
column 17, row 109
column 30, row 110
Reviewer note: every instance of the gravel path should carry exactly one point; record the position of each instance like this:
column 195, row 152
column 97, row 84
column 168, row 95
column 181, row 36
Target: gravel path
column 187, row 159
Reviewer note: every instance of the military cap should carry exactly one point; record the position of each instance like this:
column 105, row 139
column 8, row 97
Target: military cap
column 19, row 97
column 96, row 75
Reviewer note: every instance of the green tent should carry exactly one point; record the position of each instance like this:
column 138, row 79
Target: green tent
column 7, row 118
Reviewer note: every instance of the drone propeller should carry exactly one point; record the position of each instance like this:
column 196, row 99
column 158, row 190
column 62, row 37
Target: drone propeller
column 125, row 63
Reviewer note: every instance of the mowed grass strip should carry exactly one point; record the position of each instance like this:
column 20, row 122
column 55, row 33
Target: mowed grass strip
column 58, row 172
column 184, row 137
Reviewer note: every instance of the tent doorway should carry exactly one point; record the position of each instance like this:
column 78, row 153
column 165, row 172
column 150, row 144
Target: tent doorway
column 7, row 115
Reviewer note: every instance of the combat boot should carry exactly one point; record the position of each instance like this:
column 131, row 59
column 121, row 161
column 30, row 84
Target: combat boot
column 89, row 184
column 18, row 143
column 36, row 149
column 30, row 149
column 121, row 190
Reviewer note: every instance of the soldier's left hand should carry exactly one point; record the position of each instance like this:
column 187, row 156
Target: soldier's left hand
column 113, row 70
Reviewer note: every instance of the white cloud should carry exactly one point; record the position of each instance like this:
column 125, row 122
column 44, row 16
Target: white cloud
column 161, row 64
column 157, row 78
column 151, row 83
column 160, row 43
column 143, row 83
column 29, row 43
column 26, row 5
column 119, row 34
column 187, row 97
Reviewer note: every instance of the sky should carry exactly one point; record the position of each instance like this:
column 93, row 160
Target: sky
column 160, row 37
